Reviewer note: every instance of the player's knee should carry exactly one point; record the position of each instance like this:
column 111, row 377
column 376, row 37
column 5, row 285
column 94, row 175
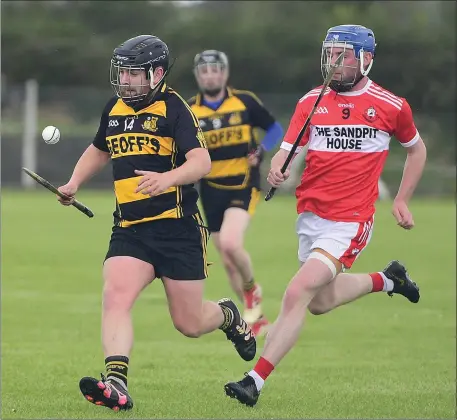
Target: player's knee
column 188, row 328
column 293, row 295
column 323, row 302
column 187, row 324
column 229, row 248
column 115, row 297
column 318, row 307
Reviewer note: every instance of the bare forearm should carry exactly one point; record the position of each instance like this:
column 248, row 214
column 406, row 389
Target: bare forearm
column 192, row 170
column 90, row 162
column 280, row 157
column 412, row 172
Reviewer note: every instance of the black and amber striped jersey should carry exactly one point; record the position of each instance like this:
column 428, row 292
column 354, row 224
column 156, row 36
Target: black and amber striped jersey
column 230, row 133
column 155, row 138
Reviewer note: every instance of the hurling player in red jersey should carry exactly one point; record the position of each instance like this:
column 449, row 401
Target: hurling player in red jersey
column 348, row 141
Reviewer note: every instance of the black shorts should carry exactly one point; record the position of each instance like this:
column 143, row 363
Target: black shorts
column 175, row 247
column 216, row 201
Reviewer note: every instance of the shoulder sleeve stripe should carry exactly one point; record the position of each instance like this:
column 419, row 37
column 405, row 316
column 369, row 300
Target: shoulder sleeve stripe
column 188, row 108
column 247, row 92
column 200, row 135
column 313, row 94
column 372, row 93
column 386, row 93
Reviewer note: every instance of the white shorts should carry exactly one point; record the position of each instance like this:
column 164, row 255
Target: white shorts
column 343, row 240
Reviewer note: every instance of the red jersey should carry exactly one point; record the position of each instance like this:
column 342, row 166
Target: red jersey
column 348, row 142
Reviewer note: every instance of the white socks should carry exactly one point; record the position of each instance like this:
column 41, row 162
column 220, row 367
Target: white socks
column 258, row 380
column 388, row 283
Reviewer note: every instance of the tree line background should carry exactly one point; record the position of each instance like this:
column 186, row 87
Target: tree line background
column 273, row 46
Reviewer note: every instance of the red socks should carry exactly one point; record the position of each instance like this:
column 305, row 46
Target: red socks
column 378, row 282
column 263, row 368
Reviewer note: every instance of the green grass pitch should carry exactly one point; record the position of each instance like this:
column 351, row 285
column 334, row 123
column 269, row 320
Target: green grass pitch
column 376, row 358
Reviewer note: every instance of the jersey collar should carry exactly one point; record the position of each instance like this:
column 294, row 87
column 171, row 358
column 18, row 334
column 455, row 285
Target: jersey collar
column 357, row 92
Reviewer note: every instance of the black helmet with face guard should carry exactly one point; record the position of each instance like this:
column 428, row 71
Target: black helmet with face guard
column 143, row 52
column 211, row 59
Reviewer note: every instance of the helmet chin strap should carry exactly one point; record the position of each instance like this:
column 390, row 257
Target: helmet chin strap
column 151, row 78
column 150, row 95
column 364, row 71
column 152, row 92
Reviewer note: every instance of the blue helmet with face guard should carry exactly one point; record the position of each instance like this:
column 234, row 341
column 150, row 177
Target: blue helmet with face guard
column 348, row 37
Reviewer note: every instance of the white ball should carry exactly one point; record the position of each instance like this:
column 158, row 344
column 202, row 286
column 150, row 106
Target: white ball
column 51, row 134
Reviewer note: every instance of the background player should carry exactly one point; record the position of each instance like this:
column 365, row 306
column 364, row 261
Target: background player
column 348, row 144
column 230, row 192
column 157, row 152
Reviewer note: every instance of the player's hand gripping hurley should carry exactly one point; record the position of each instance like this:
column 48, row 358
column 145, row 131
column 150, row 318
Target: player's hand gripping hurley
column 80, row 206
column 327, row 81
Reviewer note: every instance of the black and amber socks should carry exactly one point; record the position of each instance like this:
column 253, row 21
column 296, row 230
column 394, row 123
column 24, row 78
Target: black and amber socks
column 117, row 368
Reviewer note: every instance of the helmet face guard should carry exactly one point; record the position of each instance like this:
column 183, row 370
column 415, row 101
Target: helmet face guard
column 205, row 68
column 131, row 93
column 211, row 71
column 132, row 68
column 349, row 40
